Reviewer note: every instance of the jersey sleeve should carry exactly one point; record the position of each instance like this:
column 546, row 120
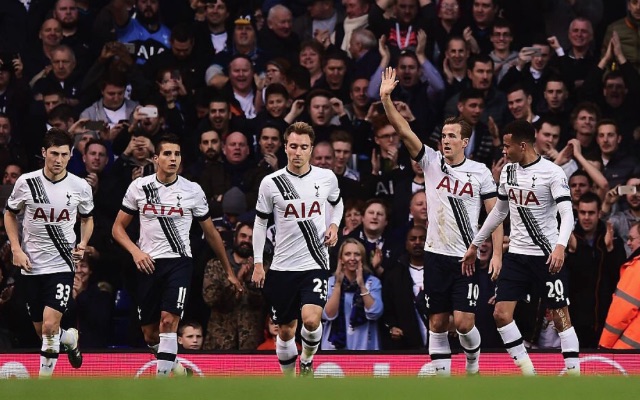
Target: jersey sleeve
column 426, row 156
column 85, row 207
column 488, row 187
column 201, row 205
column 559, row 186
column 334, row 193
column 264, row 206
column 129, row 203
column 502, row 191
column 19, row 195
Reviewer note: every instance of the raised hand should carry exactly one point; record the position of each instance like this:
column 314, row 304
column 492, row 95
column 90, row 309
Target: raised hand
column 388, row 83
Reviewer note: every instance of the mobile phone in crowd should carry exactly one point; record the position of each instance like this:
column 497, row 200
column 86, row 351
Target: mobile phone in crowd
column 627, row 189
column 149, row 112
column 94, row 125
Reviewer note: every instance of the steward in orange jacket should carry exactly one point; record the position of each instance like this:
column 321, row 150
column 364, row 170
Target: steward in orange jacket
column 622, row 327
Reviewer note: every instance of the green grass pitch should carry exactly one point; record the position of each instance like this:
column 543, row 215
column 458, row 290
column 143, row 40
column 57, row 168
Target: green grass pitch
column 457, row 388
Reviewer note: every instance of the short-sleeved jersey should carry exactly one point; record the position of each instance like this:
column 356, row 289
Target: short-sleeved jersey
column 50, row 212
column 166, row 212
column 298, row 204
column 455, row 195
column 533, row 191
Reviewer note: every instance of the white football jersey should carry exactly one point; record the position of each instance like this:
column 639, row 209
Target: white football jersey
column 50, row 212
column 298, row 204
column 533, row 192
column 166, row 212
column 455, row 196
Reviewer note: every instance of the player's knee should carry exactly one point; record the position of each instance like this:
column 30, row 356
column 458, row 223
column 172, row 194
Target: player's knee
column 311, row 323
column 286, row 332
column 50, row 327
column 464, row 325
column 501, row 316
column 439, row 323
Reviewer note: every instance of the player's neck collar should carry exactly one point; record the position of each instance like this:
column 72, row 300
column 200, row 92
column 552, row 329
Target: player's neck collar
column 166, row 184
column 296, row 175
column 458, row 164
column 66, row 173
column 537, row 160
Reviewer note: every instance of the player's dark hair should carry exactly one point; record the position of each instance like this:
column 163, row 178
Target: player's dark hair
column 94, row 141
column 57, row 137
column 301, row 128
column 584, row 173
column 520, row 131
column 590, row 197
column 167, row 138
column 608, row 121
column 465, row 128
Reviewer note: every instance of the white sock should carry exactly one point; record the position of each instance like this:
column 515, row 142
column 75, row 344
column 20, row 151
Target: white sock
column 67, row 339
column 310, row 343
column 515, row 346
column 49, row 354
column 570, row 350
column 287, row 353
column 167, row 350
column 470, row 342
column 440, row 352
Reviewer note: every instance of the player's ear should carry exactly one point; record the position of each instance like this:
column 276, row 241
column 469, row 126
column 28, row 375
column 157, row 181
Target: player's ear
column 44, row 152
column 465, row 142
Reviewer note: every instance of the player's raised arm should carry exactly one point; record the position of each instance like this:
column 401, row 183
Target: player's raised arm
column 402, row 127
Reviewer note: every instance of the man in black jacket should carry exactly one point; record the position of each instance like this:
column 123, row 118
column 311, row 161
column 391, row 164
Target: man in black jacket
column 402, row 292
column 594, row 261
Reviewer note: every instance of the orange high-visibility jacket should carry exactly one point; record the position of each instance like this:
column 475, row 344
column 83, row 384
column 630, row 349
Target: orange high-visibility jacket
column 622, row 328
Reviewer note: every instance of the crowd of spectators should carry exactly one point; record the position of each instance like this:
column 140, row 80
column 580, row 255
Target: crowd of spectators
column 229, row 76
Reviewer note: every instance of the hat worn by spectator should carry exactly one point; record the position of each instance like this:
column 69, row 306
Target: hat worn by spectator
column 234, row 202
column 245, row 18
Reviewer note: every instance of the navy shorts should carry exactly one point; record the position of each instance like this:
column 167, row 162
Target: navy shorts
column 165, row 289
column 49, row 290
column 523, row 275
column 446, row 289
column 287, row 291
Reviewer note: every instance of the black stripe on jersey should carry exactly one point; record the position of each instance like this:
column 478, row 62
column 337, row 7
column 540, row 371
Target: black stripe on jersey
column 310, row 234
column 263, row 215
column 60, row 242
column 511, row 175
column 462, row 220
column 420, row 155
column 151, row 193
column 12, row 210
column 90, row 214
column 336, row 201
column 203, row 217
column 128, row 210
column 563, row 198
column 285, row 187
column 37, row 190
column 538, row 237
column 171, row 233
column 488, row 196
column 503, row 198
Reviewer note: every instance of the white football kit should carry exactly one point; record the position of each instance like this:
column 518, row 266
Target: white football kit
column 455, row 195
column 166, row 212
column 533, row 192
column 51, row 210
column 298, row 204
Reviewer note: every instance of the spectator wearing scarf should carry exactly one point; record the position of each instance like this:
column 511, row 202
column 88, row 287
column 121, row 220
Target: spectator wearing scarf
column 354, row 302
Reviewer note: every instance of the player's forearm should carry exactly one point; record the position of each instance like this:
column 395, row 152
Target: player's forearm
column 86, row 230
column 494, row 219
column 497, row 237
column 566, row 222
column 214, row 240
column 120, row 235
column 398, row 122
column 12, row 228
column 259, row 239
